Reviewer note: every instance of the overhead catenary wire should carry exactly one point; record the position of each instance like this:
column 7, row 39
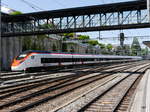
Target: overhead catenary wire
column 33, row 6
column 3, row 4
column 59, row 3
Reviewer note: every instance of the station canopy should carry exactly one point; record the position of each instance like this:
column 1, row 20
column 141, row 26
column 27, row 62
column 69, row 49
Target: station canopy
column 147, row 43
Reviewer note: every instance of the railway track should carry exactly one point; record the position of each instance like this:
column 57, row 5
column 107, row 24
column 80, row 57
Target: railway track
column 49, row 80
column 52, row 70
column 125, row 103
column 30, row 77
column 19, row 77
column 24, row 99
column 87, row 101
column 116, row 98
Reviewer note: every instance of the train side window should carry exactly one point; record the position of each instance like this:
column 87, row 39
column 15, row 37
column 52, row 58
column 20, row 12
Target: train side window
column 32, row 57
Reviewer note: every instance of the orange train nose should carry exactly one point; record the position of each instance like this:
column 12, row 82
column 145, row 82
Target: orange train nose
column 15, row 62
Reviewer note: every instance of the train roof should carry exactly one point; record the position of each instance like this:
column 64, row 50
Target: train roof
column 35, row 51
column 89, row 55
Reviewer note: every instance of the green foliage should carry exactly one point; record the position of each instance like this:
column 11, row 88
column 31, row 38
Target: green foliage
column 135, row 44
column 86, row 51
column 93, row 42
column 41, row 37
column 27, row 43
column 16, row 13
column 34, row 43
column 135, row 47
column 54, row 47
column 47, row 26
column 64, row 39
column 83, row 37
column 72, row 50
column 102, row 46
column 123, row 50
column 64, row 47
column 109, row 47
column 68, row 35
column 144, row 51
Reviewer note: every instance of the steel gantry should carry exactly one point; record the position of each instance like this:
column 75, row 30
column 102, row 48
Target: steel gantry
column 125, row 15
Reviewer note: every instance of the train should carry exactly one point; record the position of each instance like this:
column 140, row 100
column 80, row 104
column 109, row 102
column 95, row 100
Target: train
column 41, row 59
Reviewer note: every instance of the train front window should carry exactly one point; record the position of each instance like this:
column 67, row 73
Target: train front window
column 21, row 56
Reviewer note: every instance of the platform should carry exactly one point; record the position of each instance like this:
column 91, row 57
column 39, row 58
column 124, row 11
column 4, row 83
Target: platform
column 141, row 100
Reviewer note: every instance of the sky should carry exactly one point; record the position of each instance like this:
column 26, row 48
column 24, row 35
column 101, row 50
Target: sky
column 53, row 4
column 42, row 5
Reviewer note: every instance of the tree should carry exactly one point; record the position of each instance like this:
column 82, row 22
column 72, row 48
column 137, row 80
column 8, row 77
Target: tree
column 144, row 51
column 86, row 51
column 16, row 13
column 34, row 43
column 102, row 46
column 30, row 43
column 72, row 50
column 109, row 47
column 127, row 50
column 118, row 50
column 68, row 35
column 83, row 37
column 64, row 47
column 27, row 43
column 54, row 47
column 93, row 42
column 46, row 26
column 135, row 47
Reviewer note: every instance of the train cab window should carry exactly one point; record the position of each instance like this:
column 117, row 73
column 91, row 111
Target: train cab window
column 32, row 57
column 21, row 56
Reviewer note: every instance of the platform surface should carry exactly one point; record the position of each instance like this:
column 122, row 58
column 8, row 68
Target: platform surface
column 141, row 100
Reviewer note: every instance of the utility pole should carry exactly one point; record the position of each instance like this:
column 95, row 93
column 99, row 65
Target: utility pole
column 0, row 41
column 148, row 9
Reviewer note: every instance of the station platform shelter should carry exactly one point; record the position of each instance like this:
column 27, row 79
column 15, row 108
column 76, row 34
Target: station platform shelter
column 147, row 43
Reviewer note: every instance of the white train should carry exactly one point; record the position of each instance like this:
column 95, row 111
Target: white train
column 42, row 59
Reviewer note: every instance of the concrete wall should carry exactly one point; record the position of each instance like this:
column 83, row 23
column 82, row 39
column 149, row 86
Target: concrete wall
column 10, row 47
column 49, row 43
